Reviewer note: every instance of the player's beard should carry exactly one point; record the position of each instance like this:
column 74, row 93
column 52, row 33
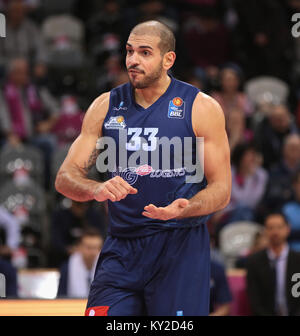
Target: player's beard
column 148, row 80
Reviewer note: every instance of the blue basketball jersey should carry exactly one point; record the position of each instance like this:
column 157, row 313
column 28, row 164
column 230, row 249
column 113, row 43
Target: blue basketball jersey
column 139, row 133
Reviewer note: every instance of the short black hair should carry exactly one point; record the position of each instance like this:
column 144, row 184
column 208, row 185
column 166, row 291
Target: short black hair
column 239, row 152
column 276, row 213
column 90, row 232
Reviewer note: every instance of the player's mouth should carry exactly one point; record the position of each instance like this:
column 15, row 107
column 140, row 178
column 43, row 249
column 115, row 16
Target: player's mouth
column 134, row 71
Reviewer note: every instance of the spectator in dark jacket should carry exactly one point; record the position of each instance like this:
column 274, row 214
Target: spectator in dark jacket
column 270, row 271
column 271, row 132
column 279, row 189
column 77, row 273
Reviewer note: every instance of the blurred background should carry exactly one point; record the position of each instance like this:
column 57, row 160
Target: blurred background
column 58, row 56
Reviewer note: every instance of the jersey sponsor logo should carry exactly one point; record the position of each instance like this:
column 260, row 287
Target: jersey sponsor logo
column 117, row 122
column 120, row 107
column 143, row 170
column 97, row 311
column 127, row 174
column 131, row 174
column 176, row 108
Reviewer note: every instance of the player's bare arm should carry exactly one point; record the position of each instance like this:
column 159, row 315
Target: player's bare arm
column 72, row 180
column 209, row 123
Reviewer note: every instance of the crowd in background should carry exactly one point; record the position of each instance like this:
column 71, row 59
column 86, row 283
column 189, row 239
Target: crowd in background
column 58, row 56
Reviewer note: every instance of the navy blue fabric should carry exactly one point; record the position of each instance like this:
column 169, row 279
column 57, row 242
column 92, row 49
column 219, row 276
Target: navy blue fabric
column 219, row 287
column 63, row 280
column 157, row 275
column 10, row 273
column 160, row 189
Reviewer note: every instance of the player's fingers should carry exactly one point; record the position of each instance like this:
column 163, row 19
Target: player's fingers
column 115, row 191
column 133, row 190
column 154, row 211
column 119, row 186
column 129, row 189
column 150, row 207
column 107, row 195
column 149, row 215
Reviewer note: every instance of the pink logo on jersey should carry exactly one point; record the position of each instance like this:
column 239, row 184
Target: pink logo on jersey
column 144, row 170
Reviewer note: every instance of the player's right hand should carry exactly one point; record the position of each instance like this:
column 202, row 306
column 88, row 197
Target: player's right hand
column 114, row 189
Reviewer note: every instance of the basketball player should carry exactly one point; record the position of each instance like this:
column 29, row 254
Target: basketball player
column 155, row 260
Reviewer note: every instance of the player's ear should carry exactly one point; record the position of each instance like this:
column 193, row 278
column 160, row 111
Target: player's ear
column 169, row 59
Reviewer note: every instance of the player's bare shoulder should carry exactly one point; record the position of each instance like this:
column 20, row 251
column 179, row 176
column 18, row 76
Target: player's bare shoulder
column 206, row 113
column 95, row 115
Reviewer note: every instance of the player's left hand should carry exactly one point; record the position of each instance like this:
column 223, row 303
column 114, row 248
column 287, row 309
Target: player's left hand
column 173, row 210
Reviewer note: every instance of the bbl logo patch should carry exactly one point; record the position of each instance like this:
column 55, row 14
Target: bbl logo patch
column 176, row 108
column 117, row 122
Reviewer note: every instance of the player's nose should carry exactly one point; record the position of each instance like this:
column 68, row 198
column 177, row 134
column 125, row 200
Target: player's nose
column 134, row 59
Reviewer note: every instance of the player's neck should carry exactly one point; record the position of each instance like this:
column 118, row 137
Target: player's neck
column 148, row 96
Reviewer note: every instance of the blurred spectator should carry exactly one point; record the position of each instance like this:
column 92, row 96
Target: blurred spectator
column 29, row 112
column 64, row 40
column 269, row 272
column 237, row 130
column 108, row 73
column 279, row 188
column 235, row 105
column 266, row 38
column 22, row 36
column 220, row 295
column 40, row 75
column 77, row 273
column 68, row 125
column 260, row 242
column 67, row 225
column 230, row 96
column 10, row 273
column 158, row 10
column 249, row 181
column 292, row 212
column 271, row 131
column 11, row 226
column 194, row 76
column 105, row 22
column 206, row 41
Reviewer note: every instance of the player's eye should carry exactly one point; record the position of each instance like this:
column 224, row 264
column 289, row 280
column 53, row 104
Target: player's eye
column 129, row 51
column 146, row 53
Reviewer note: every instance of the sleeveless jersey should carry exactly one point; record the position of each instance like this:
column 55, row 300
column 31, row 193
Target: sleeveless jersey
column 138, row 133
